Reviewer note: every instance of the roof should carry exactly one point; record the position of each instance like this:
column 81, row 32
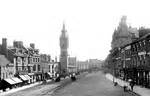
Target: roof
column 139, row 39
column 143, row 37
column 16, row 52
column 4, row 61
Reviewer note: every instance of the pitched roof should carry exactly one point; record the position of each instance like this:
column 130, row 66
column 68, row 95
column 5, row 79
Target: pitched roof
column 3, row 61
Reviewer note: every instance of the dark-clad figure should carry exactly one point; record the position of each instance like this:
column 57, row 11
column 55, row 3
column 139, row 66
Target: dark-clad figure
column 132, row 84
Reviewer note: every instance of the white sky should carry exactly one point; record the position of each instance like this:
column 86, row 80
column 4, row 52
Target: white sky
column 89, row 23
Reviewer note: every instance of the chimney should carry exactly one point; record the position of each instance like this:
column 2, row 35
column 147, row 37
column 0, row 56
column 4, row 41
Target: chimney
column 49, row 58
column 32, row 45
column 14, row 44
column 18, row 44
column 4, row 47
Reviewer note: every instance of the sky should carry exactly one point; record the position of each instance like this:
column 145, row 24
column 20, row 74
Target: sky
column 89, row 23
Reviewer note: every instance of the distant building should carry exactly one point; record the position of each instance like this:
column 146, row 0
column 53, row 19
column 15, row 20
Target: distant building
column 82, row 65
column 95, row 63
column 88, row 64
column 72, row 66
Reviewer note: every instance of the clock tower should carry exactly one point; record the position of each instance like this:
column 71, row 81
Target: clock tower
column 63, row 49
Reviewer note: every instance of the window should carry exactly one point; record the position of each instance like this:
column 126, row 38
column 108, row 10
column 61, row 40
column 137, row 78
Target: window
column 38, row 67
column 38, row 59
column 34, row 68
column 19, row 68
column 144, row 42
column 3, row 75
column 29, row 60
column 49, row 68
column 6, row 75
column 144, row 62
column 33, row 59
column 29, row 69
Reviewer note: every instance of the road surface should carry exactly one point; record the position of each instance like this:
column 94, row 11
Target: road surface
column 92, row 84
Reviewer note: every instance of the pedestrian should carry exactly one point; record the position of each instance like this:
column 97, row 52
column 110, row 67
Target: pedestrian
column 125, row 88
column 132, row 85
column 115, row 83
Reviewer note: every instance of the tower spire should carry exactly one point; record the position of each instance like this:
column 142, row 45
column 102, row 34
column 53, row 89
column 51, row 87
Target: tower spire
column 63, row 49
column 63, row 25
column 63, row 29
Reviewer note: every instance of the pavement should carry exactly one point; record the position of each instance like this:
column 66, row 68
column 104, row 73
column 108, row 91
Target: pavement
column 43, row 89
column 137, row 89
column 18, row 89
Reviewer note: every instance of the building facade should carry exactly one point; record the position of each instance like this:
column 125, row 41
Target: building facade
column 6, row 68
column 34, row 64
column 132, row 61
column 82, row 66
column 72, row 64
column 25, row 60
column 95, row 63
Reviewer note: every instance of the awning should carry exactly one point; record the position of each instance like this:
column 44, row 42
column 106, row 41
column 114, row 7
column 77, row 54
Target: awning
column 27, row 76
column 50, row 74
column 10, row 81
column 30, row 74
column 16, row 79
column 23, row 77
